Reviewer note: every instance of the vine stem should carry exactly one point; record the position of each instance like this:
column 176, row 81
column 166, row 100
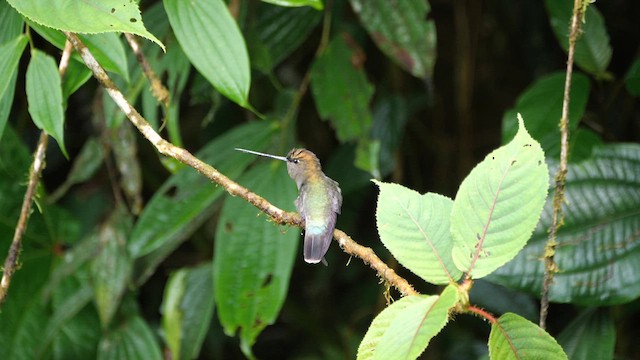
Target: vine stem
column 278, row 215
column 550, row 266
column 35, row 172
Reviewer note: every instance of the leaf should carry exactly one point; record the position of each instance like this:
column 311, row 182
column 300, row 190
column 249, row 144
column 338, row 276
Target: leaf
column 131, row 340
column 415, row 229
column 212, row 41
column 185, row 200
column 85, row 165
column 341, row 90
column 597, row 254
column 111, row 268
column 591, row 335
column 632, row 79
column 77, row 74
column 280, row 31
column 86, row 16
column 403, row 330
column 11, row 23
column 187, row 308
column 498, row 205
column 316, row 4
column 593, row 51
column 44, row 94
column 541, row 107
column 125, row 151
column 6, row 102
column 253, row 258
column 390, row 117
column 400, row 30
column 10, row 53
column 514, row 337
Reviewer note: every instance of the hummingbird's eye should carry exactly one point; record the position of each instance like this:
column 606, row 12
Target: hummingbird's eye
column 295, row 161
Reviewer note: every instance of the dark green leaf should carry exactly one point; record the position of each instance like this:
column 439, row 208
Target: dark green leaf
column 400, row 30
column 44, row 94
column 84, row 166
column 591, row 335
column 82, row 16
column 111, row 268
column 597, row 255
column 76, row 75
column 541, row 108
column 253, row 258
column 185, row 200
column 187, row 308
column 132, row 340
column 593, row 52
column 341, row 90
column 210, row 37
column 390, row 117
column 632, row 79
column 10, row 53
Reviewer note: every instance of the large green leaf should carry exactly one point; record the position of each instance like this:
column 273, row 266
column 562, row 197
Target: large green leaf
column 253, row 258
column 44, row 94
column 210, row 37
column 415, row 229
column 403, row 330
column 541, row 107
column 401, row 31
column 111, row 268
column 187, row 308
column 10, row 53
column 632, row 79
column 86, row 16
column 341, row 91
column 132, row 340
column 11, row 23
column 591, row 335
column 279, row 31
column 498, row 205
column 514, row 337
column 185, row 200
column 593, row 52
column 597, row 255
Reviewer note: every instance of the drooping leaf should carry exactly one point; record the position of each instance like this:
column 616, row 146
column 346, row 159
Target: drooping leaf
column 401, row 31
column 591, row 335
column 415, row 229
column 541, row 108
column 316, row 4
column 253, row 258
column 187, row 308
column 280, row 31
column 11, row 23
column 596, row 255
column 390, row 117
column 185, row 200
column 403, row 330
column 86, row 16
column 131, row 340
column 498, row 205
column 514, row 337
column 10, row 53
column 341, row 90
column 210, row 37
column 84, row 166
column 632, row 79
column 76, row 75
column 111, row 268
column 44, row 94
column 593, row 51
column 6, row 102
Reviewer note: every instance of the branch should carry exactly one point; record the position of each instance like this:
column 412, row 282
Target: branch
column 11, row 262
column 278, row 215
column 550, row 266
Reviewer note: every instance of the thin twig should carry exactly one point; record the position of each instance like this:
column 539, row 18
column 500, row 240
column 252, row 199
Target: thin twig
column 550, row 266
column 278, row 215
column 11, row 262
column 158, row 90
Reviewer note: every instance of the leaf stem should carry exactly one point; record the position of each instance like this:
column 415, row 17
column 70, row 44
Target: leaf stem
column 550, row 266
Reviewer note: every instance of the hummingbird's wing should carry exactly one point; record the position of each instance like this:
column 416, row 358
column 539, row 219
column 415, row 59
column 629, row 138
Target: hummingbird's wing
column 320, row 220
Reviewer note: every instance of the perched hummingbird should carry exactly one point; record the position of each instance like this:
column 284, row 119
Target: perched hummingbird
column 319, row 200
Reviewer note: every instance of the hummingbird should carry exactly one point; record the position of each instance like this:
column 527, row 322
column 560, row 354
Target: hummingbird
column 319, row 200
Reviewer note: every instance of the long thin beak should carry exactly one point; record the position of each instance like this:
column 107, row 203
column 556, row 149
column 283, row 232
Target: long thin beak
column 263, row 154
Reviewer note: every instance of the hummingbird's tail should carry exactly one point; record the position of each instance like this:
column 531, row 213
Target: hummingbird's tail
column 316, row 243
